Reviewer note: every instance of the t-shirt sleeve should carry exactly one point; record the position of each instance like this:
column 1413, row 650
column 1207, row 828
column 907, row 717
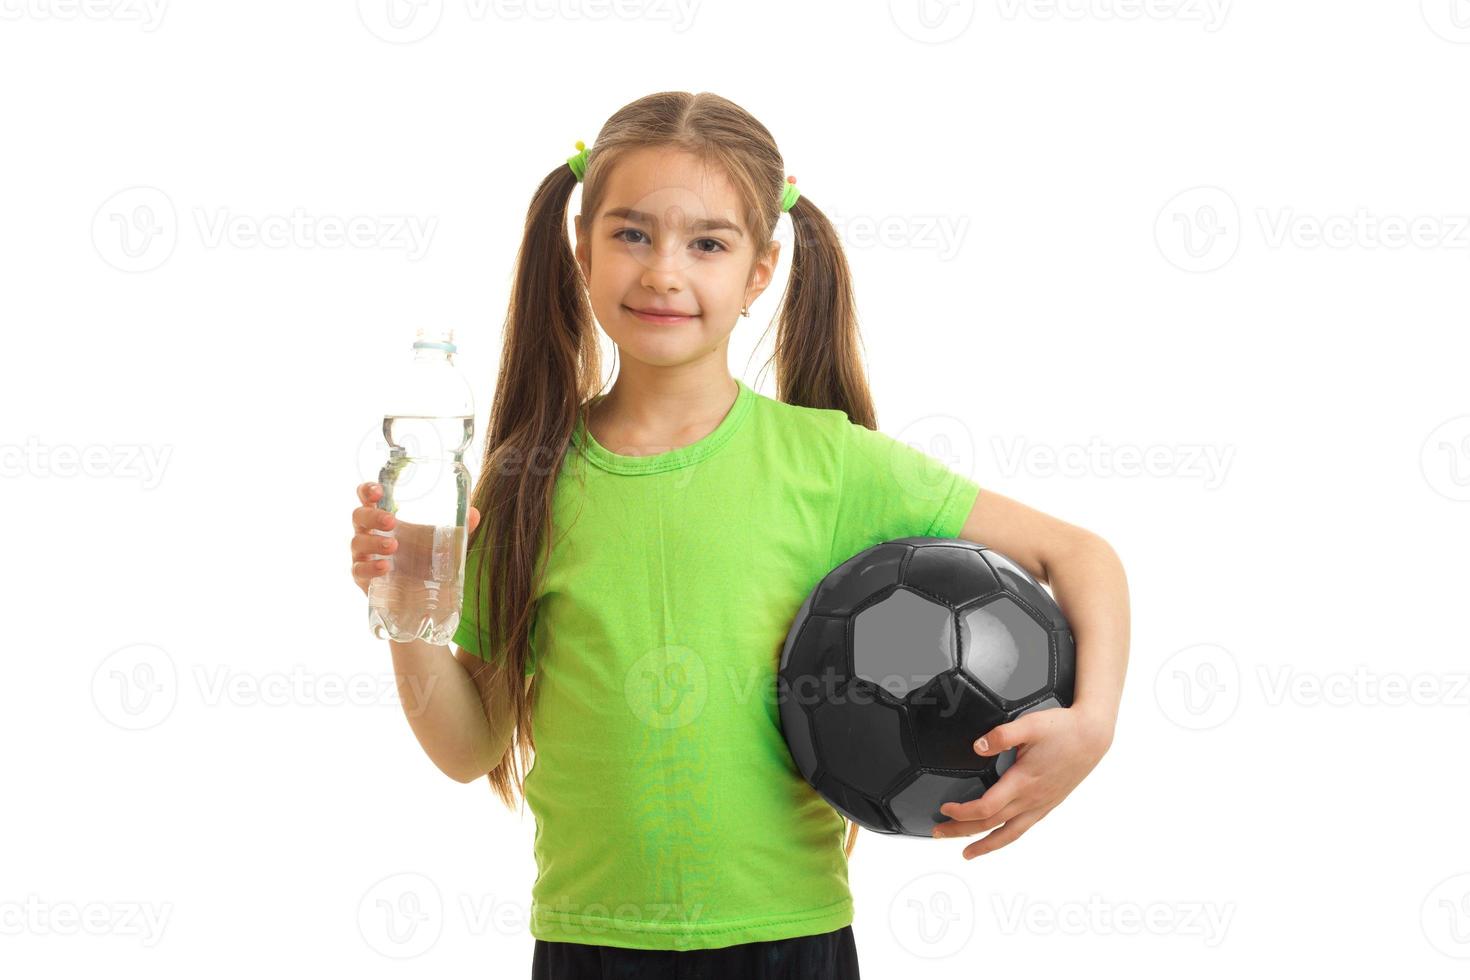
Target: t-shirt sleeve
column 468, row 634
column 889, row 489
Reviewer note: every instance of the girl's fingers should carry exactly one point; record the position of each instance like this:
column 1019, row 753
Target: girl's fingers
column 374, row 539
column 369, row 547
column 369, row 517
column 365, row 570
column 967, row 828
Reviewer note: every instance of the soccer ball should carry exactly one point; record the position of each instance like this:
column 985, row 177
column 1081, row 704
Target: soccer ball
column 899, row 659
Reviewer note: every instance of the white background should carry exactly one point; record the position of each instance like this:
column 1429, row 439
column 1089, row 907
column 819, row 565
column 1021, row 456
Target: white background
column 1228, row 238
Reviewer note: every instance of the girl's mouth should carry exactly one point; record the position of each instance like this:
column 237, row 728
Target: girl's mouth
column 658, row 317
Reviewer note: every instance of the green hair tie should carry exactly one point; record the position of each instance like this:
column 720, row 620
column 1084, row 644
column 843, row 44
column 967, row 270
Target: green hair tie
column 578, row 163
column 789, row 198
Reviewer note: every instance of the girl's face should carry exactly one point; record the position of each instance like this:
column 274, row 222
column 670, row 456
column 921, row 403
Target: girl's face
column 670, row 237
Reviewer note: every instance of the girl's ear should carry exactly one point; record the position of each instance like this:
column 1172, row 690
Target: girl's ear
column 762, row 273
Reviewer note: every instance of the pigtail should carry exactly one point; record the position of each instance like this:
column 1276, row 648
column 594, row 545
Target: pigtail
column 549, row 364
column 818, row 353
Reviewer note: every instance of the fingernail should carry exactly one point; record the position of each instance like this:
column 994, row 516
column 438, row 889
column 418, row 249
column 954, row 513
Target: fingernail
column 981, row 745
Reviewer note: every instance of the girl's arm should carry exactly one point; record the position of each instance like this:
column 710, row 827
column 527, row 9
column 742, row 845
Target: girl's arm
column 463, row 726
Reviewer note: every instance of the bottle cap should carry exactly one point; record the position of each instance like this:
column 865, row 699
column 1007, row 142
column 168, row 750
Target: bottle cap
column 437, row 338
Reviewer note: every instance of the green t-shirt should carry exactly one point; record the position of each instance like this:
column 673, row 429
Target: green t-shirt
column 669, row 813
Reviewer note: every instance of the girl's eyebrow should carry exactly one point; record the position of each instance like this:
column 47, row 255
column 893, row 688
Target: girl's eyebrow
column 703, row 224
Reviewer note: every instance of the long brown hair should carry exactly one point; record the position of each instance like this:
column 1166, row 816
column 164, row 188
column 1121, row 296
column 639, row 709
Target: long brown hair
column 550, row 365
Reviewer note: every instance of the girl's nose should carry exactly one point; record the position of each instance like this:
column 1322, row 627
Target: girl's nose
column 664, row 272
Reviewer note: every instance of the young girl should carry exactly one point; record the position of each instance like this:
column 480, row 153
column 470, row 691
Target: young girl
column 644, row 551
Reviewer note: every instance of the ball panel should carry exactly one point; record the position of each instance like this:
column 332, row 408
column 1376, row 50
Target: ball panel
column 1019, row 583
column 796, row 625
column 853, row 805
column 819, row 659
column 946, row 716
column 796, row 728
column 860, row 739
column 954, row 573
column 900, row 643
column 859, row 578
column 1066, row 659
column 916, row 806
column 1005, row 649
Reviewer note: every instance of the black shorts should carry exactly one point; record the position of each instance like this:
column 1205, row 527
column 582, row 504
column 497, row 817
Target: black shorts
column 827, row 956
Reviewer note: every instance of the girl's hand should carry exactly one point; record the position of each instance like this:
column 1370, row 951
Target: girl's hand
column 1058, row 748
column 370, row 551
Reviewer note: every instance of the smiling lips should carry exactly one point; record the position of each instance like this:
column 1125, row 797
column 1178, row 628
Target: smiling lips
column 656, row 315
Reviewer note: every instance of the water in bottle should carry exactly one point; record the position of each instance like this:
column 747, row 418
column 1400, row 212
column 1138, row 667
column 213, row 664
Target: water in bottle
column 428, row 423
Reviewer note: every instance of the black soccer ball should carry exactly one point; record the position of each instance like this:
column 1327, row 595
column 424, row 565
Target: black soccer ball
column 899, row 659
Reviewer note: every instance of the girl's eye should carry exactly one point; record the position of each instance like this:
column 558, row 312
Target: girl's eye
column 719, row 246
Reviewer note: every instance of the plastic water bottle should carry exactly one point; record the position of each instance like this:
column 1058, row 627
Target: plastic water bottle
column 429, row 421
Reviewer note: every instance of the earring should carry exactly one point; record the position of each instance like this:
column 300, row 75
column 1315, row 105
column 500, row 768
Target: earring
column 744, row 311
